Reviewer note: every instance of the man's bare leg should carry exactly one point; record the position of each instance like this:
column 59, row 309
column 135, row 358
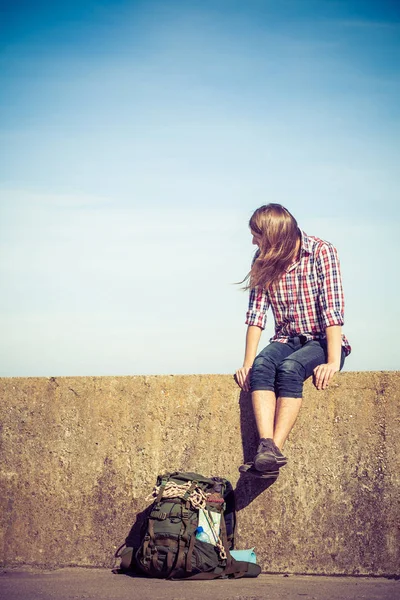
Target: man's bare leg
column 264, row 408
column 287, row 411
column 275, row 419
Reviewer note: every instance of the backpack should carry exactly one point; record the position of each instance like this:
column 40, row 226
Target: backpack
column 183, row 505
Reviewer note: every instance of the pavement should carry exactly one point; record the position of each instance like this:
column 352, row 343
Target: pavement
column 103, row 584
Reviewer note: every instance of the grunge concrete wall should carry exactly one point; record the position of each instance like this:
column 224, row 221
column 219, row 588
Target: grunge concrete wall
column 80, row 455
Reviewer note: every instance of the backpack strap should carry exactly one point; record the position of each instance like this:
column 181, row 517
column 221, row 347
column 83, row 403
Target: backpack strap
column 183, row 543
column 180, row 559
column 188, row 492
column 150, row 551
column 224, row 539
column 189, row 554
column 217, row 572
column 163, row 483
column 169, row 566
column 235, row 571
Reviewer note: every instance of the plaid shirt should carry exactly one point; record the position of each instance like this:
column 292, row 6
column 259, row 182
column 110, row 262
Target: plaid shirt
column 307, row 299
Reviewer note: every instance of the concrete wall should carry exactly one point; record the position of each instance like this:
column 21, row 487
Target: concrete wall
column 79, row 456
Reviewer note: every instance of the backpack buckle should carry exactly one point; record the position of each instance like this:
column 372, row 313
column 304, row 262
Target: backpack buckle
column 159, row 515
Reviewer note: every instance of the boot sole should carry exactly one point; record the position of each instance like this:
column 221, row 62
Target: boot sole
column 250, row 470
column 269, row 462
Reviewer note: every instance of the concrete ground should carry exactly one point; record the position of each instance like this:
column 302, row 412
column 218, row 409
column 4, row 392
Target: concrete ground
column 102, row 584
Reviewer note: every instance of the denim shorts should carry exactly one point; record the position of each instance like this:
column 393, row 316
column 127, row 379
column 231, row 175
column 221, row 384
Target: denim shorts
column 283, row 367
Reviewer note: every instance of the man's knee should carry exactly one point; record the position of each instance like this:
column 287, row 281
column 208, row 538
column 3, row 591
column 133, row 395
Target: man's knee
column 291, row 368
column 289, row 379
column 262, row 375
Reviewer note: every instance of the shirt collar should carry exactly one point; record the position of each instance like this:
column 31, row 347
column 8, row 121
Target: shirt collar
column 306, row 243
column 305, row 248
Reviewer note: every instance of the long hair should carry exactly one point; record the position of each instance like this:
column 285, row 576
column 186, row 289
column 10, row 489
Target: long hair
column 279, row 233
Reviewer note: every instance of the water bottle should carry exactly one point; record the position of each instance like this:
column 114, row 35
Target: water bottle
column 202, row 536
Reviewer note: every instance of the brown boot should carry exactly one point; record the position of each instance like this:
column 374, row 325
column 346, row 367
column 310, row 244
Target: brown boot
column 268, row 457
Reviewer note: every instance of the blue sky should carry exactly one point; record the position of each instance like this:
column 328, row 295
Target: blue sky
column 136, row 140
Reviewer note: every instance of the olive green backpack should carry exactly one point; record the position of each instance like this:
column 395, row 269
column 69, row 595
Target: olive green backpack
column 169, row 548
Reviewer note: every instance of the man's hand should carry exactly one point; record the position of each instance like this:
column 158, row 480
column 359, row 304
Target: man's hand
column 323, row 374
column 242, row 377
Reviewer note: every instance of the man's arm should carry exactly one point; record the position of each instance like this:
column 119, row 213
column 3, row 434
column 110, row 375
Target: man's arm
column 255, row 320
column 331, row 301
column 324, row 373
column 252, row 340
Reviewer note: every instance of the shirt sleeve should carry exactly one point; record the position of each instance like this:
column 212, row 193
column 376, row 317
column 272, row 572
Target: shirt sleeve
column 258, row 306
column 331, row 299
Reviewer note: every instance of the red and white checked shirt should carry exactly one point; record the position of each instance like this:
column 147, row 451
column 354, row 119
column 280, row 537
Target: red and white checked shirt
column 307, row 299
